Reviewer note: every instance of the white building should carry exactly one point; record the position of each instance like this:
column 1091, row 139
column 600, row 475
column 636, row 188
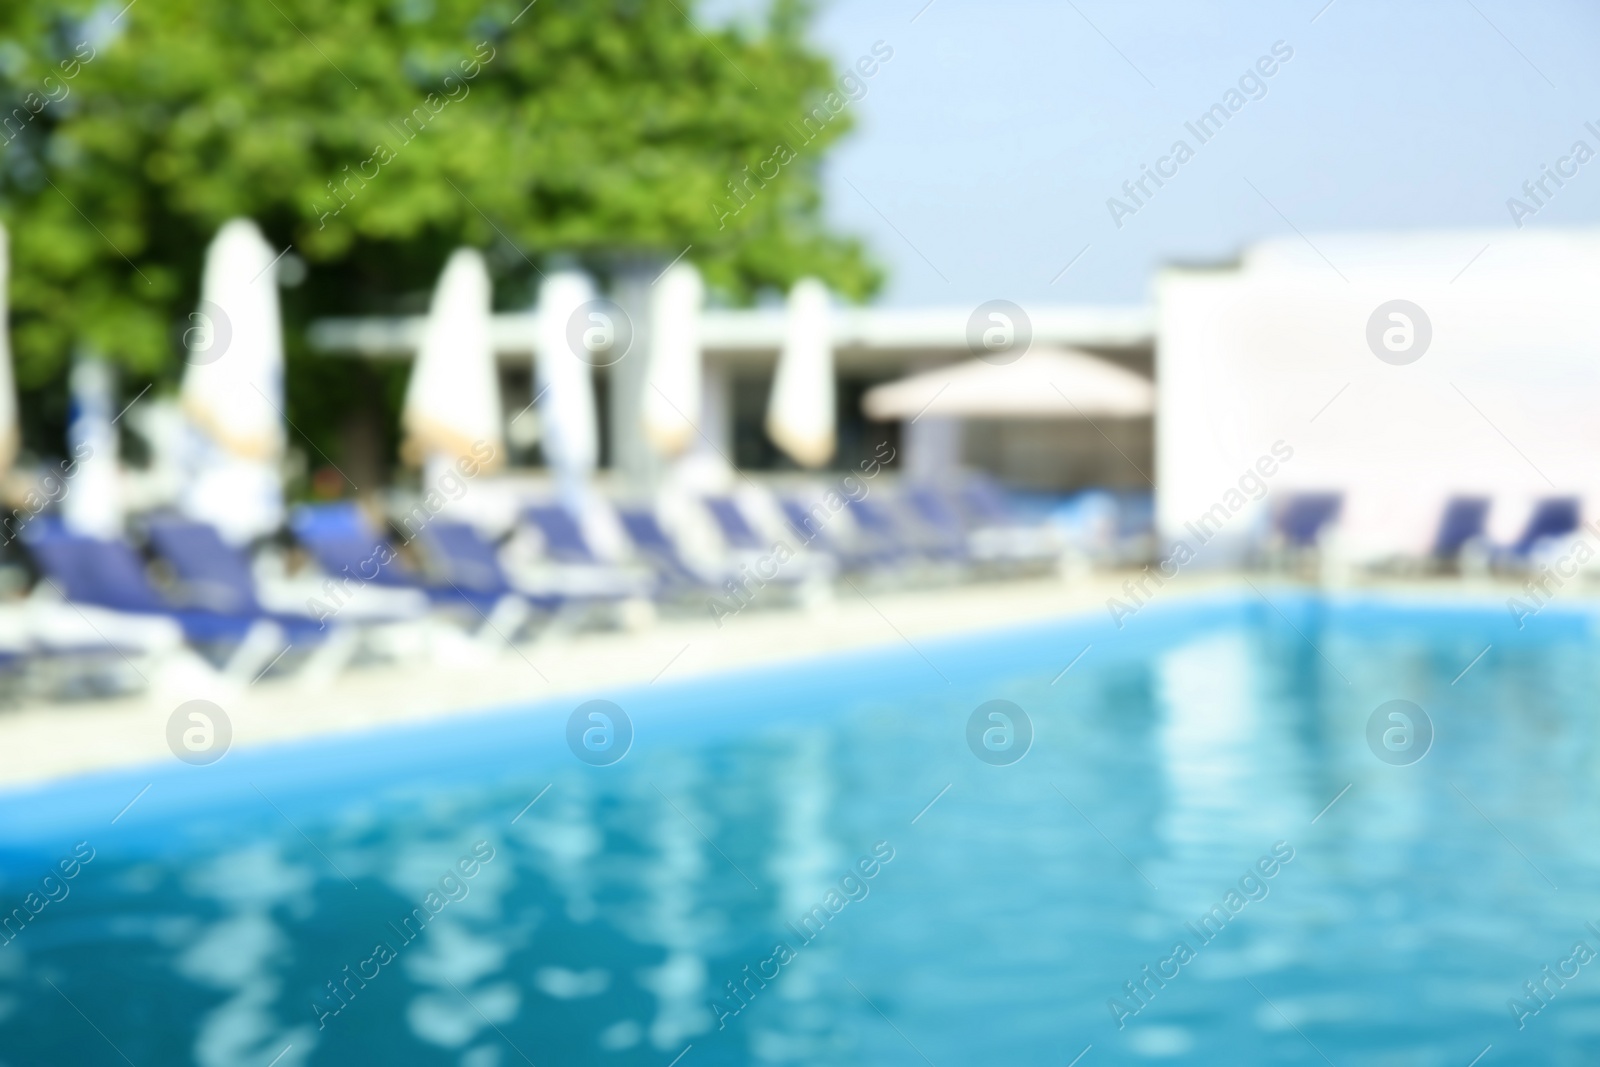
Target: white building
column 1486, row 385
column 1396, row 370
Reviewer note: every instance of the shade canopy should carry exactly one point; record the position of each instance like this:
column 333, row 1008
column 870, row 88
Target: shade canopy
column 1052, row 383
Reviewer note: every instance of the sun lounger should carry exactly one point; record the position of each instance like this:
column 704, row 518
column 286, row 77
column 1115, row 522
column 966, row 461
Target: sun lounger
column 761, row 576
column 819, row 530
column 887, row 531
column 996, row 531
column 349, row 547
column 984, row 502
column 747, row 545
column 1301, row 518
column 473, row 562
column 736, row 530
column 1465, row 520
column 563, row 538
column 571, row 564
column 1554, row 517
column 1551, row 521
column 352, row 551
column 467, row 560
column 213, row 574
column 650, row 540
column 945, row 533
column 109, row 574
column 55, row 649
column 993, row 539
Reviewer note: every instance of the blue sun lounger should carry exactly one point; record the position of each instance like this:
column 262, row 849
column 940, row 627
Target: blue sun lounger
column 48, row 647
column 563, row 537
column 348, row 547
column 469, row 562
column 944, row 534
column 884, row 528
column 653, row 544
column 813, row 531
column 1553, row 517
column 798, row 569
column 734, row 527
column 1465, row 519
column 109, row 574
column 986, row 534
column 984, row 502
column 212, row 573
column 1302, row 517
column 579, row 570
column 472, row 562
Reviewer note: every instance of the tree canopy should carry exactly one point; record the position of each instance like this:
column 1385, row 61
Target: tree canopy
column 369, row 137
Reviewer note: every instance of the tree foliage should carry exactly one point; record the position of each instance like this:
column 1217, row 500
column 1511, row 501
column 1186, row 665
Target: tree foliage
column 373, row 136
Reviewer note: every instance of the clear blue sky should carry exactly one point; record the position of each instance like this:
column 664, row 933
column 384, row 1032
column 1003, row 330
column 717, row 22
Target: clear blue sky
column 993, row 138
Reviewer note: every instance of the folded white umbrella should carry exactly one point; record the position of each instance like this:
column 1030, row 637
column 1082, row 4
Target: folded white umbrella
column 671, row 408
column 567, row 418
column 453, row 398
column 93, row 501
column 10, row 435
column 800, row 410
column 232, row 390
column 1045, row 383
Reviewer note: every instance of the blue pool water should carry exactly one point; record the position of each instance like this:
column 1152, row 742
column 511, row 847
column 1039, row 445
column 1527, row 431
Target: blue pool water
column 824, row 835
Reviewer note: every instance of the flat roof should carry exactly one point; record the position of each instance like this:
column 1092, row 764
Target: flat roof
column 861, row 335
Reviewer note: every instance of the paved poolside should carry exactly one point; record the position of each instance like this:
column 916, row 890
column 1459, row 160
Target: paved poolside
column 49, row 740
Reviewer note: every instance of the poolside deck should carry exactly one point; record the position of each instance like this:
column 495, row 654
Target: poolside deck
column 43, row 741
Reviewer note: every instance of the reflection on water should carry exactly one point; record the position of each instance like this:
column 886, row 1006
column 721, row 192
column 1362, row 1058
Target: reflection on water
column 1216, row 748
column 240, row 953
column 626, row 902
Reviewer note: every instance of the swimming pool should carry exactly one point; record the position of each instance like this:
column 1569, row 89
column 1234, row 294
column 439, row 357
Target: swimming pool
column 844, row 862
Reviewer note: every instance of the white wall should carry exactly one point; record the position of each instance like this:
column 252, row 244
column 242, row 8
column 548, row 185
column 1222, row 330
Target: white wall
column 1249, row 357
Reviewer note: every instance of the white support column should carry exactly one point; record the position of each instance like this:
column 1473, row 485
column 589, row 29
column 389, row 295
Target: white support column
column 931, row 448
column 716, row 412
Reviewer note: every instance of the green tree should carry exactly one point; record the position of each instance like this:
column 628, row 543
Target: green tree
column 373, row 136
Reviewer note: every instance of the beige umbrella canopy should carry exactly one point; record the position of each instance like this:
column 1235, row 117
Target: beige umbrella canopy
column 672, row 398
column 232, row 389
column 452, row 404
column 800, row 408
column 1045, row 383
